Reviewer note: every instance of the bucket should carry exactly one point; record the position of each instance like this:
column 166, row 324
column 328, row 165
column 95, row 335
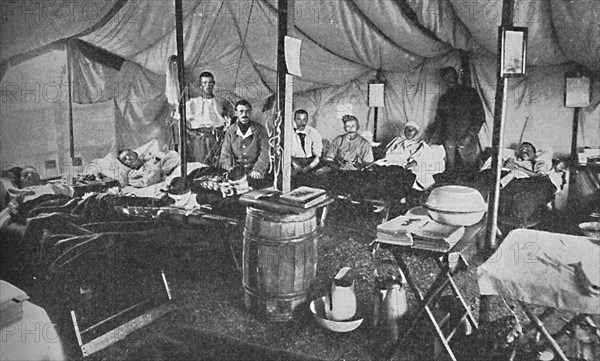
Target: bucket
column 279, row 261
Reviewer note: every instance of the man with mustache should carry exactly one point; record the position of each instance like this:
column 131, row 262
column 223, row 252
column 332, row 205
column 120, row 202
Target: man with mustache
column 348, row 151
column 246, row 144
column 307, row 144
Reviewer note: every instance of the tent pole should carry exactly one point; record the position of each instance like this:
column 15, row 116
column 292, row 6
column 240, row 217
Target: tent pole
column 497, row 134
column 180, row 75
column 70, row 91
column 282, row 179
column 574, row 157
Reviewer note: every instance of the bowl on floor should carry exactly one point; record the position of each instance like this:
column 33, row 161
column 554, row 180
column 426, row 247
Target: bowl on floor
column 317, row 308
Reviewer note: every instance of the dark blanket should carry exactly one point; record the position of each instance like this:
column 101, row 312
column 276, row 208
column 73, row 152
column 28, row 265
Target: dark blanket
column 62, row 234
column 388, row 183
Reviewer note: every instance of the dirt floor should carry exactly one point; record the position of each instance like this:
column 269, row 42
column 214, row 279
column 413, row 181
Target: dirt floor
column 209, row 321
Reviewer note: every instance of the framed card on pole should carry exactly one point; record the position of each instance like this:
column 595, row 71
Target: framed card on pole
column 513, row 49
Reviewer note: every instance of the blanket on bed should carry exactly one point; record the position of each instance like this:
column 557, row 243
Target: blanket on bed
column 376, row 182
column 59, row 232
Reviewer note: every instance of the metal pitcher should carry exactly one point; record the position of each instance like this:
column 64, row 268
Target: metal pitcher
column 389, row 302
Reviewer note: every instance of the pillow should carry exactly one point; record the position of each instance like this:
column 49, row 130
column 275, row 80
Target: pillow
column 111, row 167
column 108, row 166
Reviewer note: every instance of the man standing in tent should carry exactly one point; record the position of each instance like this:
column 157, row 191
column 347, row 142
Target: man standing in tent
column 458, row 119
column 207, row 116
column 246, row 144
column 307, row 144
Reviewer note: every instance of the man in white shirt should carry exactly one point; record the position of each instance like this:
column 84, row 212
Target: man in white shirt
column 307, row 144
column 207, row 116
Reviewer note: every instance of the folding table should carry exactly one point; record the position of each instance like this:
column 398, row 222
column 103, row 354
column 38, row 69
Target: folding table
column 535, row 267
column 449, row 262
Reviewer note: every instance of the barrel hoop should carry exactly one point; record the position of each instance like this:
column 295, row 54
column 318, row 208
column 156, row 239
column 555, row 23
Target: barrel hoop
column 278, row 241
column 279, row 296
column 270, row 216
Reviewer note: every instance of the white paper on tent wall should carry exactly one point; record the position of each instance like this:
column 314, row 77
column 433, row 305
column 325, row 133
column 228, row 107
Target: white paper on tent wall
column 376, row 92
column 292, row 55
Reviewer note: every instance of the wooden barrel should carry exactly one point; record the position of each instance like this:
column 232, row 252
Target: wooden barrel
column 279, row 261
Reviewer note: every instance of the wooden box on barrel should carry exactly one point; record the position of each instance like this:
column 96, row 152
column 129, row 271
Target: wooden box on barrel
column 279, row 256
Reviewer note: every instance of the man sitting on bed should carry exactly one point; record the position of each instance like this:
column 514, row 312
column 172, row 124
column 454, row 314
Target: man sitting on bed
column 415, row 155
column 148, row 171
column 404, row 150
column 246, row 144
column 307, row 144
column 348, row 151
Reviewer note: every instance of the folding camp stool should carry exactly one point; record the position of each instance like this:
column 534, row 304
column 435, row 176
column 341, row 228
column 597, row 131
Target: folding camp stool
column 95, row 343
column 449, row 263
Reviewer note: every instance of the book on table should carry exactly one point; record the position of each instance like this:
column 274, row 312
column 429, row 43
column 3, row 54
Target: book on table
column 399, row 230
column 435, row 236
column 304, row 197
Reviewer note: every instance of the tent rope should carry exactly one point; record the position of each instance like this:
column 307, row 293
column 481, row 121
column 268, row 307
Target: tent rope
column 275, row 146
column 208, row 34
column 243, row 44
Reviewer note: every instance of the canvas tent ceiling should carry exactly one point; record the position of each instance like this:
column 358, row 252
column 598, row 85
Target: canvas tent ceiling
column 345, row 42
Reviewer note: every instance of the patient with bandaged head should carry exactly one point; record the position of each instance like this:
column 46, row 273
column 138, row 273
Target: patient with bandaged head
column 416, row 155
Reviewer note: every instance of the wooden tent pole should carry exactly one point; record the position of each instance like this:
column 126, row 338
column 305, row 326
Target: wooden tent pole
column 181, row 77
column 497, row 134
column 574, row 157
column 283, row 178
column 70, row 91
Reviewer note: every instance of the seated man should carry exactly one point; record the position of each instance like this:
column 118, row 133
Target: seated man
column 246, row 144
column 404, row 150
column 348, row 151
column 415, row 155
column 148, row 171
column 307, row 144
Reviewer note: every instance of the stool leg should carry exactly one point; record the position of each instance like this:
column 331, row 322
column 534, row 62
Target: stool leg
column 540, row 326
column 466, row 307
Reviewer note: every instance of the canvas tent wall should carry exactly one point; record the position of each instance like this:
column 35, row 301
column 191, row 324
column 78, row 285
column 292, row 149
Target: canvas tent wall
column 345, row 43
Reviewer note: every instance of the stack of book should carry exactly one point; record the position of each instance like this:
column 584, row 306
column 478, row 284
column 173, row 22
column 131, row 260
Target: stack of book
column 399, row 231
column 419, row 233
column 303, row 197
column 434, row 236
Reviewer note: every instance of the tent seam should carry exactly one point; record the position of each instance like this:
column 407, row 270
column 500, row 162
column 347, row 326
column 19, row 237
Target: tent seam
column 245, row 50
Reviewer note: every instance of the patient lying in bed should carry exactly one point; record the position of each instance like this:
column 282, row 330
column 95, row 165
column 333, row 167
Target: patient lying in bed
column 148, row 170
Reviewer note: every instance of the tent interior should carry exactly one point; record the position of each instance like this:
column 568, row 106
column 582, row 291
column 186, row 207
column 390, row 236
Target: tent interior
column 118, row 49
column 82, row 79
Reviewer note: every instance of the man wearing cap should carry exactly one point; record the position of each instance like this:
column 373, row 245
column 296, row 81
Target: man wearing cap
column 458, row 119
column 348, row 151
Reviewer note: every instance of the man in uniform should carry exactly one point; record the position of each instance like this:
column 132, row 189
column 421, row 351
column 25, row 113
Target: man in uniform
column 246, row 144
column 458, row 119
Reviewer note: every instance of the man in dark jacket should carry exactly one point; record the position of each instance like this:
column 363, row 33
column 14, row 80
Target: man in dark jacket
column 458, row 119
column 246, row 144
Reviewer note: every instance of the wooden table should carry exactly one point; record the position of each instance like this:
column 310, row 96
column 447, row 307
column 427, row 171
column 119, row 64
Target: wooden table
column 449, row 264
column 535, row 267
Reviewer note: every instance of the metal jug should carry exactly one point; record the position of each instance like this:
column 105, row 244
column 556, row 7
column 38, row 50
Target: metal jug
column 340, row 304
column 389, row 303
